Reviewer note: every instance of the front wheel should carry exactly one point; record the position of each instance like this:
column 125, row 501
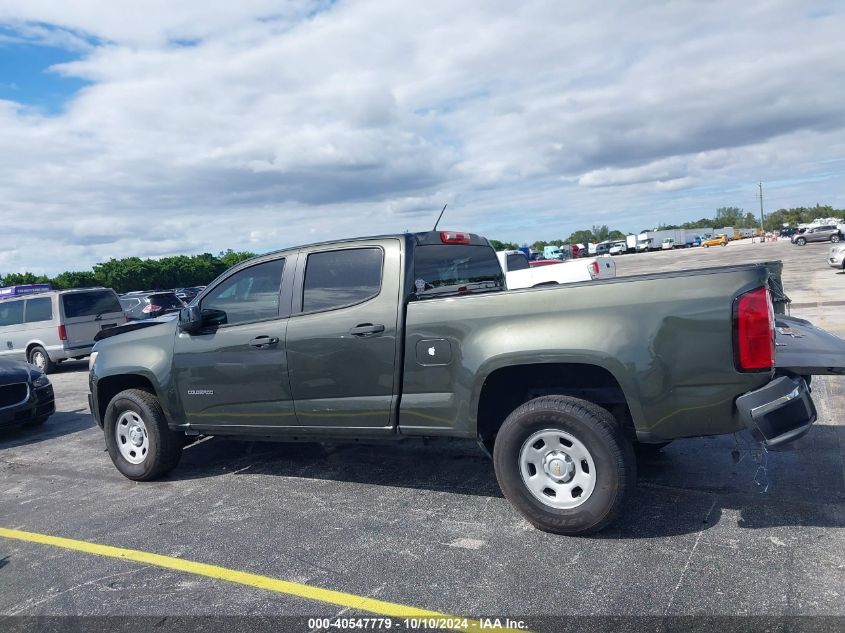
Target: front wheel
column 800, row 241
column 835, row 238
column 140, row 443
column 564, row 464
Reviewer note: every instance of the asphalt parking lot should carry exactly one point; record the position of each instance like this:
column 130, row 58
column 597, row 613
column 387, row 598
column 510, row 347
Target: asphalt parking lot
column 426, row 526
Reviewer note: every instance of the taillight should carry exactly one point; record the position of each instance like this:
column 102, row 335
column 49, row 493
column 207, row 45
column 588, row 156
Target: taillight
column 151, row 308
column 754, row 331
column 595, row 269
column 62, row 333
column 454, row 237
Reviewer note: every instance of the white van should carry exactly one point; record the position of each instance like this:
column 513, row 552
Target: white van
column 46, row 328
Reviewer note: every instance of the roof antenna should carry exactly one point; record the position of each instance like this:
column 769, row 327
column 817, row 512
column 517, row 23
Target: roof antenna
column 440, row 216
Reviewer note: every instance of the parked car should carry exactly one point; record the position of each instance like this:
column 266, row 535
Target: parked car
column 26, row 395
column 836, row 256
column 719, row 240
column 827, row 233
column 618, row 248
column 46, row 328
column 188, row 294
column 789, row 231
column 417, row 335
column 149, row 305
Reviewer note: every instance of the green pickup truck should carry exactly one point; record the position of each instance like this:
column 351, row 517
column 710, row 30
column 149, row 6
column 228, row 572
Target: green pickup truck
column 390, row 337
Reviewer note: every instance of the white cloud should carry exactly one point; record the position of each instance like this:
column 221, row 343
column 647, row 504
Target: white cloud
column 207, row 126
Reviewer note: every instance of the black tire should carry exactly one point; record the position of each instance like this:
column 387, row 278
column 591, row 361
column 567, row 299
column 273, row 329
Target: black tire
column 164, row 448
column 39, row 357
column 835, row 238
column 800, row 241
column 598, row 431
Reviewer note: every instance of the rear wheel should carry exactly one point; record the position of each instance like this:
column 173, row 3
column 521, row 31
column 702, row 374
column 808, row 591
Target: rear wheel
column 38, row 356
column 564, row 464
column 140, row 443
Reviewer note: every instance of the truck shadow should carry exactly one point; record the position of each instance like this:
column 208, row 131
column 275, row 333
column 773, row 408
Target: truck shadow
column 59, row 424
column 690, row 486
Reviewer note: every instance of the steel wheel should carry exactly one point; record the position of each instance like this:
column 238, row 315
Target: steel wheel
column 557, row 469
column 133, row 442
column 39, row 359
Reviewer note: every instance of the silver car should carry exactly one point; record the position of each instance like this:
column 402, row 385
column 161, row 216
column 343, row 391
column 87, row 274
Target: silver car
column 827, row 233
column 48, row 327
column 836, row 256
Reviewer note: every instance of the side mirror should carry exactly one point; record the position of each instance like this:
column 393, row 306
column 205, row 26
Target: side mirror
column 190, row 319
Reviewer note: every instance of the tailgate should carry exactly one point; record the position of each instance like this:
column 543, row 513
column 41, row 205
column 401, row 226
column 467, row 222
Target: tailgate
column 804, row 349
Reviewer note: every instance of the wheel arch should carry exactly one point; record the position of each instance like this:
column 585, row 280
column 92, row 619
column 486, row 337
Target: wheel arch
column 36, row 343
column 109, row 386
column 508, row 386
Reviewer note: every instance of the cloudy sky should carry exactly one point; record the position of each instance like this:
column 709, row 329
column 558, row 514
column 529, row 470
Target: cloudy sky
column 152, row 128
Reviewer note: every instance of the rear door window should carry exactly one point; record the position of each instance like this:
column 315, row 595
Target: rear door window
column 92, row 303
column 40, row 309
column 11, row 313
column 335, row 279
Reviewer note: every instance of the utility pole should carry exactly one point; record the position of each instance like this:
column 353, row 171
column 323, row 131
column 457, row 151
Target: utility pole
column 762, row 228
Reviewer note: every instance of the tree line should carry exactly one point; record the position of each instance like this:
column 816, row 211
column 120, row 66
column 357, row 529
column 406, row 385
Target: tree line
column 134, row 273
column 725, row 216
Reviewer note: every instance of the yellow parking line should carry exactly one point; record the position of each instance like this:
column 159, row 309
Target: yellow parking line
column 339, row 598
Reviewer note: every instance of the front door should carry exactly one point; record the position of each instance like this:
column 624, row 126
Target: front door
column 232, row 376
column 342, row 336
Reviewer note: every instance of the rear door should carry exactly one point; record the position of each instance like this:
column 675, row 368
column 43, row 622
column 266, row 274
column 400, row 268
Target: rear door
column 86, row 312
column 344, row 333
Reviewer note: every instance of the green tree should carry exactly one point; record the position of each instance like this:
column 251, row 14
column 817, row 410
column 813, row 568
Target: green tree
column 600, row 233
column 75, row 279
column 18, row 279
column 728, row 216
column 229, row 257
column 503, row 246
column 581, row 237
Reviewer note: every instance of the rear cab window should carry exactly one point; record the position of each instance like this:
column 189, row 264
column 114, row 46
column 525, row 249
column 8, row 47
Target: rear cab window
column 468, row 267
column 92, row 303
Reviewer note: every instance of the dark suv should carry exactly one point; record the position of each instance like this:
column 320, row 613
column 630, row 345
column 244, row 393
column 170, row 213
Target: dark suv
column 148, row 305
column 826, row 233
